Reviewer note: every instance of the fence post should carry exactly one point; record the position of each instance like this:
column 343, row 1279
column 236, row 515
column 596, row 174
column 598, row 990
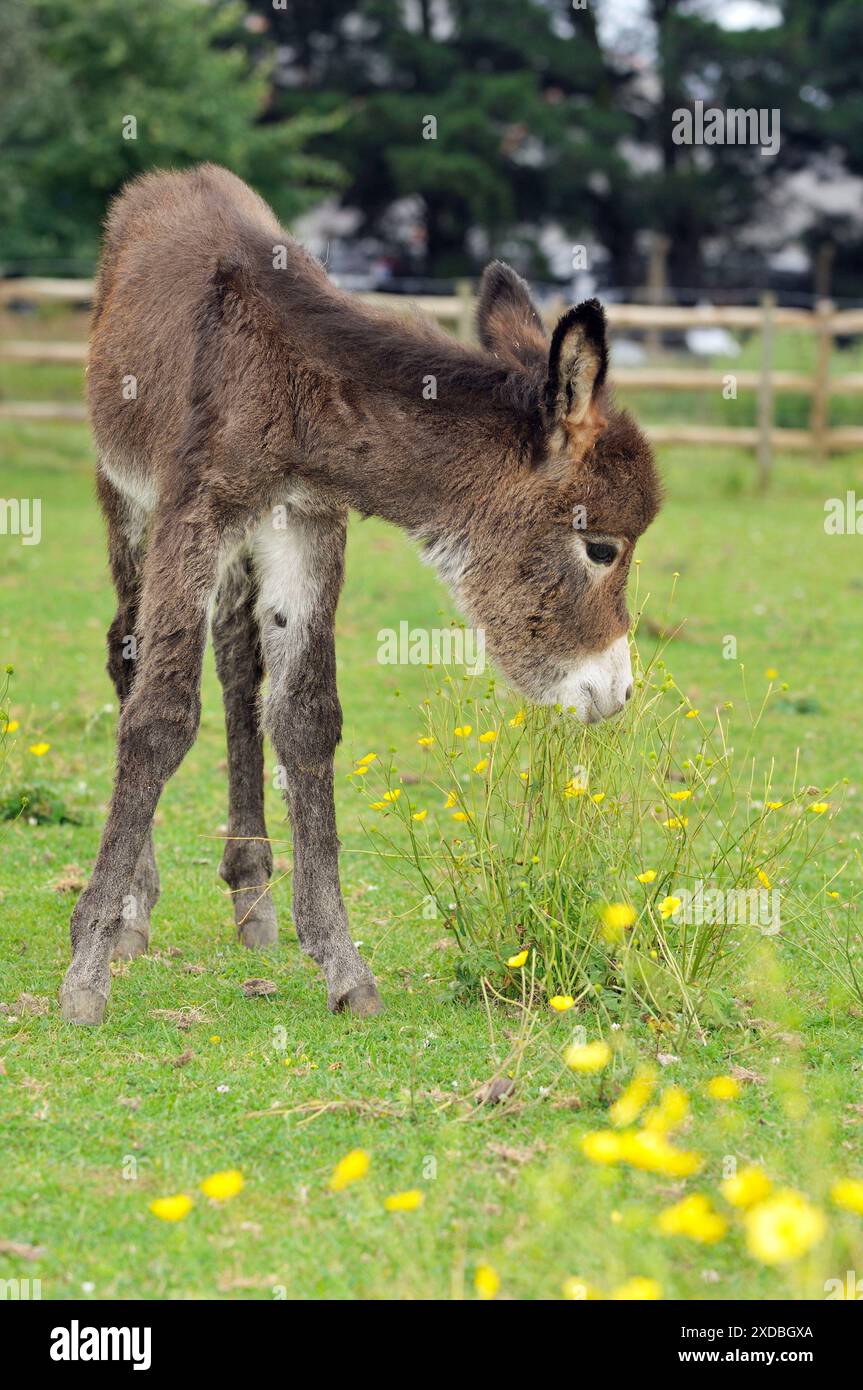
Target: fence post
column 464, row 327
column 765, row 389
column 820, row 418
column 657, row 283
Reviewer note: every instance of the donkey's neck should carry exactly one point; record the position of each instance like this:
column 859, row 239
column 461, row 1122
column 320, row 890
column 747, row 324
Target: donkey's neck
column 398, row 418
column 423, row 464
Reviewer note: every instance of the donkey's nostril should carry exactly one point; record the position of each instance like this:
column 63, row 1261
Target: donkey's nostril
column 628, row 695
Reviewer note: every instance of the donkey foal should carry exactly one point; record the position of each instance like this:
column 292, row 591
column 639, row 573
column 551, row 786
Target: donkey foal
column 241, row 405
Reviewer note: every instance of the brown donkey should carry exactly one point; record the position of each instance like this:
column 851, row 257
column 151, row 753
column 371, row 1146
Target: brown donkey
column 241, row 405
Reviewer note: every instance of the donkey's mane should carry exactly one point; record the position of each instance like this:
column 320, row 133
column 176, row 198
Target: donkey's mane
column 376, row 348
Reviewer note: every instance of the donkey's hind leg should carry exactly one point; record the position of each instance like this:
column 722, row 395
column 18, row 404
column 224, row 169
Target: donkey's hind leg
column 157, row 726
column 247, row 861
column 126, row 540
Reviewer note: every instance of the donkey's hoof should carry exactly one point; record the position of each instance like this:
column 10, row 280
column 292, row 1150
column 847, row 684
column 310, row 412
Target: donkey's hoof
column 362, row 1001
column 260, row 930
column 132, row 942
column 86, row 1006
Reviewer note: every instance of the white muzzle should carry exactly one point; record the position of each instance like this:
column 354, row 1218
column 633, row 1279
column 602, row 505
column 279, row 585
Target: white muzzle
column 597, row 687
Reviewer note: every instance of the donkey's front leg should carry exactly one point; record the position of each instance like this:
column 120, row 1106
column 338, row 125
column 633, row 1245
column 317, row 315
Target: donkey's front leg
column 300, row 576
column 157, row 726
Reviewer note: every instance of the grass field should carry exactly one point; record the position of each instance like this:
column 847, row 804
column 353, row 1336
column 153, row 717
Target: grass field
column 97, row 1124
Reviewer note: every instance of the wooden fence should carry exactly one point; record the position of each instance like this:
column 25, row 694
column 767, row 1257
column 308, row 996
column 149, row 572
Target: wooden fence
column 457, row 312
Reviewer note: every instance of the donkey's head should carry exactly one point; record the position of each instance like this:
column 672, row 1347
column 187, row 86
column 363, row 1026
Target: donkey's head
column 545, row 564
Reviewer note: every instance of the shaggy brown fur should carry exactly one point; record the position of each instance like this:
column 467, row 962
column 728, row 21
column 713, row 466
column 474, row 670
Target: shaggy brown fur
column 241, row 405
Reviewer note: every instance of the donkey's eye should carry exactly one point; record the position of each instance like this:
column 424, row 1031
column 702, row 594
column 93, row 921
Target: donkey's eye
column 601, row 553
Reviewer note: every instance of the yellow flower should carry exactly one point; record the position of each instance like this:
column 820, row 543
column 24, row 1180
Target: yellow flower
column 377, row 805
column 651, row 1151
column 774, row 805
column 404, row 1201
column 489, row 736
column 783, row 1227
column 459, row 815
column 597, row 797
column 517, row 719
column 221, row 1186
column 692, row 713
column 350, row 1169
column 450, row 801
column 817, row 808
column 216, row 1038
column 602, row 1146
column 751, row 1185
column 630, row 1103
column 676, row 822
column 831, row 893
column 588, row 1057
column 463, row 730
column 394, row 795
column 517, row 961
column 693, row 1217
column 425, row 742
column 486, row 1281
column 364, row 762
column 848, row 1193
column 561, row 1002
column 578, row 1290
column 763, row 878
column 771, row 673
column 481, row 765
column 574, row 788
column 723, row 1088
column 11, row 725
column 669, row 906
column 419, row 815
column 616, row 917
column 647, row 877
column 39, row 749
column 681, row 796
column 671, row 1111
column 172, row 1208
column 638, row 1289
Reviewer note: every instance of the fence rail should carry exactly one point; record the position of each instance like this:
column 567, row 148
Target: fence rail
column 456, row 311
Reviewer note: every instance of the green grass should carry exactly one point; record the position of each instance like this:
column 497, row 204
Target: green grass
column 503, row 1184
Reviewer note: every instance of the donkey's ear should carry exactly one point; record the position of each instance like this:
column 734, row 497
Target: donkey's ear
column 577, row 366
column 506, row 319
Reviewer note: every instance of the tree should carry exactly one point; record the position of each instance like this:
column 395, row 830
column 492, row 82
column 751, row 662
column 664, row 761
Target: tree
column 95, row 92
column 498, row 114
column 816, row 82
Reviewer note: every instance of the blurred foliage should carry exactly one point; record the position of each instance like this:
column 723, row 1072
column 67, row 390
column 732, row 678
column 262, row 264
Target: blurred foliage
column 71, row 74
column 543, row 116
column 528, row 111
